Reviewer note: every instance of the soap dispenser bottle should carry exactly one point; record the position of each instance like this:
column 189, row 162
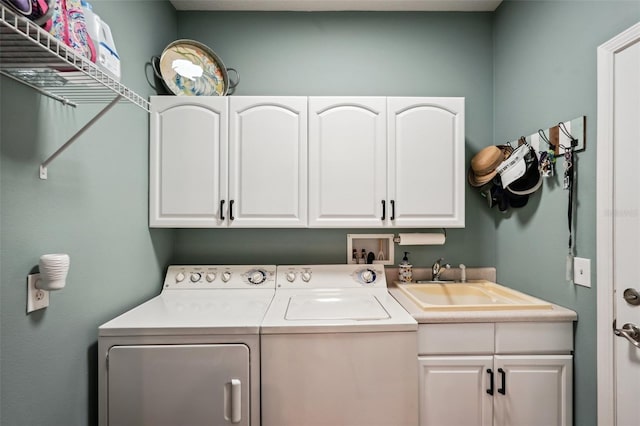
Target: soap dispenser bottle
column 405, row 272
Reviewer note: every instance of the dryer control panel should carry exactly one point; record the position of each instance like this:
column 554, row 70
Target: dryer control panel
column 330, row 276
column 213, row 277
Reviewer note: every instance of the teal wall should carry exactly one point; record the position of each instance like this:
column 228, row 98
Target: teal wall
column 529, row 65
column 545, row 72
column 93, row 207
column 405, row 54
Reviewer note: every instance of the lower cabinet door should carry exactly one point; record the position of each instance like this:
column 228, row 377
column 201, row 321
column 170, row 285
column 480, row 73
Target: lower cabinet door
column 456, row 390
column 533, row 390
column 178, row 385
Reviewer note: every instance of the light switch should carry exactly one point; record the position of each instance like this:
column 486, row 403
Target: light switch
column 582, row 271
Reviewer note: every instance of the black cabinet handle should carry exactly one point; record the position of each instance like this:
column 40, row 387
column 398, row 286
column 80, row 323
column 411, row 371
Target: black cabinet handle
column 393, row 210
column 490, row 390
column 231, row 210
column 503, row 389
column 384, row 210
column 221, row 209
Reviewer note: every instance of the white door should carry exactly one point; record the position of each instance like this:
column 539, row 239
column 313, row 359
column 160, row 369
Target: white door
column 347, row 162
column 618, row 229
column 456, row 390
column 187, row 161
column 627, row 234
column 426, row 161
column 268, row 162
column 533, row 390
column 173, row 385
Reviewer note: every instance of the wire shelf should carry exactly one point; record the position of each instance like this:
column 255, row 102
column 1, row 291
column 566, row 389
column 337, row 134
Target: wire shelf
column 32, row 56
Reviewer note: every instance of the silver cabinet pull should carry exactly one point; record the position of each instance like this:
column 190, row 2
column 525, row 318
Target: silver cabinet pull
column 629, row 331
column 632, row 296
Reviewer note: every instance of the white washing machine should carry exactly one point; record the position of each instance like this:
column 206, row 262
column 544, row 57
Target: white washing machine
column 337, row 350
column 190, row 356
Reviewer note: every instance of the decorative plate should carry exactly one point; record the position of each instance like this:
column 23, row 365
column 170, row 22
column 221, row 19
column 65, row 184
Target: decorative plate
column 190, row 68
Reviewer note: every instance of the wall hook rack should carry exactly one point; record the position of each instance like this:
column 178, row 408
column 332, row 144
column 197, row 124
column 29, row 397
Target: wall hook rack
column 563, row 135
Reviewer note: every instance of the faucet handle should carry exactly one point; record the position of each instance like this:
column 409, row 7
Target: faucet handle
column 463, row 273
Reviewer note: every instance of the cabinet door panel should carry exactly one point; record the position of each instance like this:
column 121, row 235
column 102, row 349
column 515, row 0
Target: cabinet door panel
column 347, row 161
column 188, row 138
column 453, row 391
column 267, row 161
column 538, row 390
column 426, row 161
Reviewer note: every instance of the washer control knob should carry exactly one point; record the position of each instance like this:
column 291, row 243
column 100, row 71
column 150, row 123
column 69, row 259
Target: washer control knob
column 195, row 277
column 368, row 276
column 210, row 277
column 179, row 277
column 226, row 276
column 306, row 276
column 257, row 277
column 291, row 276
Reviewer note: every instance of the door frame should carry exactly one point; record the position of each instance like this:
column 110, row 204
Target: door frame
column 605, row 221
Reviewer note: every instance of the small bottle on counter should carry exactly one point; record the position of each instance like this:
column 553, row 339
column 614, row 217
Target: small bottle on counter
column 405, row 273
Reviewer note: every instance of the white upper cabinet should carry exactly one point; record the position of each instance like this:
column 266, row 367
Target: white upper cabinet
column 228, row 162
column 386, row 162
column 268, row 162
column 188, row 160
column 426, row 161
column 296, row 161
column 347, row 161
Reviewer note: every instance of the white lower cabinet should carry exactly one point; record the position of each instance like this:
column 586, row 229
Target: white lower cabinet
column 533, row 390
column 468, row 388
column 453, row 391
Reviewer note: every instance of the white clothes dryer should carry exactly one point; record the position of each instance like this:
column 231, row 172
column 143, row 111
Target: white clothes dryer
column 337, row 349
column 190, row 356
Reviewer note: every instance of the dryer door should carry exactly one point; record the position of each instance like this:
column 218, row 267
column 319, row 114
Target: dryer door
column 179, row 385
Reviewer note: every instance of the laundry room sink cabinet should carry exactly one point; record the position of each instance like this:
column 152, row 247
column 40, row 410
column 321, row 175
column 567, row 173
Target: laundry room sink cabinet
column 386, row 162
column 228, row 162
column 496, row 374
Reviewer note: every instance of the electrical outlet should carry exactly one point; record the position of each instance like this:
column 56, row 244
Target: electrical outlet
column 36, row 298
column 582, row 271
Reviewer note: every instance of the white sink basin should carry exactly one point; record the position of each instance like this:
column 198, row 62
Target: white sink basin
column 470, row 296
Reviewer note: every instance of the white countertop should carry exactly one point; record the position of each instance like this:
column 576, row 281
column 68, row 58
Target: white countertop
column 556, row 314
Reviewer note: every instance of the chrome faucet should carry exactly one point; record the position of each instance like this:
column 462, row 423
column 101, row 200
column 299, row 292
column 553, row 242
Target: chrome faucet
column 437, row 268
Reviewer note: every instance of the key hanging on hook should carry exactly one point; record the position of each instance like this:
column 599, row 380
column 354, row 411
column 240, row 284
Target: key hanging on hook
column 548, row 157
column 568, row 168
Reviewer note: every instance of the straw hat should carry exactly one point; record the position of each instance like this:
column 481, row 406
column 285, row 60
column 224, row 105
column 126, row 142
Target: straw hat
column 484, row 164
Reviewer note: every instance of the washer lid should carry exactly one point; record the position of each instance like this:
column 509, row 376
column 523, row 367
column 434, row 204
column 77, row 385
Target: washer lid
column 335, row 307
column 335, row 311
